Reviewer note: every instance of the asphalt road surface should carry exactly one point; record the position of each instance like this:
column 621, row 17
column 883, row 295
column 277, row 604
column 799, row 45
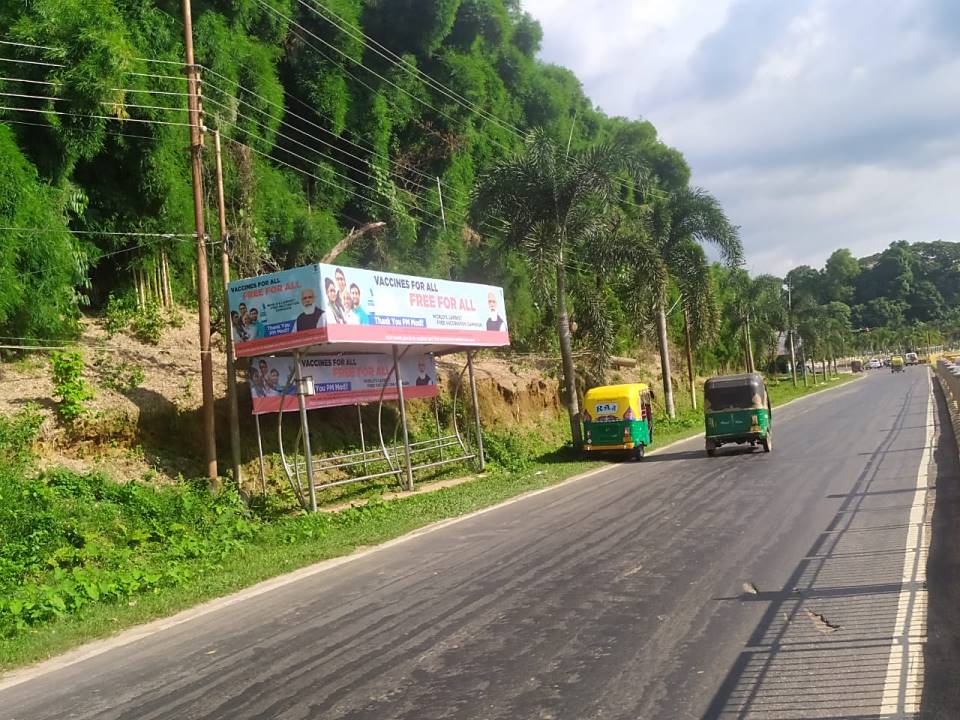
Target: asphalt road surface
column 622, row 595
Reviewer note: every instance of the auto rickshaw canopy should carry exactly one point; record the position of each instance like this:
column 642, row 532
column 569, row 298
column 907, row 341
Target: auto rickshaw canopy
column 735, row 392
column 611, row 402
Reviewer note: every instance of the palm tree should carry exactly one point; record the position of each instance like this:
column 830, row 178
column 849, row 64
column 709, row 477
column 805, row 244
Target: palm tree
column 686, row 216
column 555, row 206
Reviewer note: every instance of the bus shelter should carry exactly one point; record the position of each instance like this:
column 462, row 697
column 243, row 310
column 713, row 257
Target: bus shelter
column 328, row 336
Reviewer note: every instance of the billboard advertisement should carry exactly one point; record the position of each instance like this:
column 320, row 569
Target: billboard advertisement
column 344, row 379
column 330, row 304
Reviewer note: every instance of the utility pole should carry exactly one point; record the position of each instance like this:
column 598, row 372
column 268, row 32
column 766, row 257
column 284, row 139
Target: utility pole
column 693, row 384
column 793, row 352
column 203, row 292
column 227, row 324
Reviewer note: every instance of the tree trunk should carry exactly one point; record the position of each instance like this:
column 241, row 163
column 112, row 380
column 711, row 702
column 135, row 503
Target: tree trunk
column 165, row 272
column 566, row 356
column 751, row 367
column 138, row 286
column 665, row 360
column 690, row 373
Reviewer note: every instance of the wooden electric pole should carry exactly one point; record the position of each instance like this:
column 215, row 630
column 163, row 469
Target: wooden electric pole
column 227, row 323
column 203, row 291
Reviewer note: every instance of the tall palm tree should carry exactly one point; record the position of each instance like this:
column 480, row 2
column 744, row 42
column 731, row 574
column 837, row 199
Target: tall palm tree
column 676, row 220
column 555, row 205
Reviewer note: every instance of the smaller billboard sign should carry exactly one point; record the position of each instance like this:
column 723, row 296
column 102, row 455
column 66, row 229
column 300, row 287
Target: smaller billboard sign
column 344, row 379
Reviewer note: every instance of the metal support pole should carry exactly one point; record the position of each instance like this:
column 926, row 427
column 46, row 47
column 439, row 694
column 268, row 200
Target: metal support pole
column 307, row 453
column 481, row 461
column 363, row 442
column 403, row 418
column 803, row 364
column 227, row 324
column 436, row 416
column 443, row 215
column 793, row 360
column 263, row 474
column 203, row 293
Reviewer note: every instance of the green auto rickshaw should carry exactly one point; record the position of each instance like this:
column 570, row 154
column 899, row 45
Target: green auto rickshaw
column 618, row 419
column 737, row 410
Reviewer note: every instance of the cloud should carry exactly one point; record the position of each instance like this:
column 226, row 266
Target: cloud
column 818, row 124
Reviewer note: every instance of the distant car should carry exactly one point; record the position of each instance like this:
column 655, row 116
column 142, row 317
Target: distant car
column 874, row 364
column 911, row 359
column 886, row 362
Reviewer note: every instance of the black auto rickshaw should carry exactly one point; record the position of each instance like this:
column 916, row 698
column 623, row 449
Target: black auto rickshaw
column 737, row 410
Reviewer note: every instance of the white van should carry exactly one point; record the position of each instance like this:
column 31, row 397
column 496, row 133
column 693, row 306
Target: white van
column 911, row 359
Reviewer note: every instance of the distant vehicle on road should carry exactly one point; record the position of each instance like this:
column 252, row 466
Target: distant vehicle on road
column 737, row 410
column 911, row 358
column 856, row 366
column 618, row 419
column 874, row 364
column 896, row 364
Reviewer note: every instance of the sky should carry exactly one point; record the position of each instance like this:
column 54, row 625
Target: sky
column 817, row 123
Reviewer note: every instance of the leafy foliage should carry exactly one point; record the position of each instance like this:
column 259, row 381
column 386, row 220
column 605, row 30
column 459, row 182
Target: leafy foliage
column 69, row 385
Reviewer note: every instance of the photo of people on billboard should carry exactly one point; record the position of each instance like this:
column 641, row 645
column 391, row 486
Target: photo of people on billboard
column 321, row 303
column 343, row 379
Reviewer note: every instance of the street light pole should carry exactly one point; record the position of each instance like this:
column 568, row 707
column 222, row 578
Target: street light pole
column 793, row 352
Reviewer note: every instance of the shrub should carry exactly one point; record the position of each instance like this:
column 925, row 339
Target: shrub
column 17, row 435
column 69, row 385
column 144, row 323
column 123, row 377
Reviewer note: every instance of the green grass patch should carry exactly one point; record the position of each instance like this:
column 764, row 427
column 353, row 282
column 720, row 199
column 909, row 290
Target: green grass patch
column 82, row 557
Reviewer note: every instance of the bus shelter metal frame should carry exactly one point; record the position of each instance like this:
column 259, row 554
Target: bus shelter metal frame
column 308, row 467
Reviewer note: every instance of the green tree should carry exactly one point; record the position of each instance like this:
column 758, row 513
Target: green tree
column 555, row 207
column 38, row 265
column 676, row 220
column 840, row 275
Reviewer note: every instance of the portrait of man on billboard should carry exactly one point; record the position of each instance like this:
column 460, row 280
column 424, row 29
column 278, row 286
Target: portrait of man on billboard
column 312, row 316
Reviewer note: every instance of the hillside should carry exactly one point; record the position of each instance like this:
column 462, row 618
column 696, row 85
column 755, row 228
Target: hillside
column 152, row 430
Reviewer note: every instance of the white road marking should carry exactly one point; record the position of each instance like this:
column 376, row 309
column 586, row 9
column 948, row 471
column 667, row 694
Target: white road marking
column 903, row 686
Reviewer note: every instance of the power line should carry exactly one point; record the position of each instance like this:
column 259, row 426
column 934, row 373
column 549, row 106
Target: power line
column 31, row 62
column 372, row 72
column 27, row 45
column 301, row 157
column 8, row 121
column 324, row 180
column 406, row 65
column 339, row 138
column 93, row 117
column 101, row 232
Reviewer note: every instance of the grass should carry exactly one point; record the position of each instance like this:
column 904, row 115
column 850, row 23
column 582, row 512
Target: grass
column 265, row 543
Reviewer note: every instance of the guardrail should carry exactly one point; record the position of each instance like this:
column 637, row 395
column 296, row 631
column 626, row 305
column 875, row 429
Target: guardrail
column 949, row 374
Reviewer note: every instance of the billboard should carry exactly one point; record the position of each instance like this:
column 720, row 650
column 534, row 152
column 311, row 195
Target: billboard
column 338, row 380
column 330, row 304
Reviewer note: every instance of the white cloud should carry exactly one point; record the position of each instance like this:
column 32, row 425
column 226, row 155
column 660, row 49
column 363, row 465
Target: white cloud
column 818, row 124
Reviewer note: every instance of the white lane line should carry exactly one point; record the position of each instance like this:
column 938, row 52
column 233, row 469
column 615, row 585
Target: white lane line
column 903, row 686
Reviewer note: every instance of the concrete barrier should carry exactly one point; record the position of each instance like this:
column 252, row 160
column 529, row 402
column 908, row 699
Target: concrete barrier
column 948, row 373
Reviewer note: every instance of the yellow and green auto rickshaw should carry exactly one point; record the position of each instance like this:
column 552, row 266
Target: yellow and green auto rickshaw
column 896, row 364
column 737, row 409
column 618, row 418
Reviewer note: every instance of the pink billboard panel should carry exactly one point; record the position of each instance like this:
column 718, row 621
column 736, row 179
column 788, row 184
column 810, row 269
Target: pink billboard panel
column 344, row 379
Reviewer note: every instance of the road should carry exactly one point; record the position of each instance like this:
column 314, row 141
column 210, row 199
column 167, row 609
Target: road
column 617, row 596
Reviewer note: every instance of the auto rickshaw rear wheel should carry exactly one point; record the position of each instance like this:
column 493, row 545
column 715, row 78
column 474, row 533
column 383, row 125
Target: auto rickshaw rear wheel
column 639, row 451
column 711, row 448
column 767, row 443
